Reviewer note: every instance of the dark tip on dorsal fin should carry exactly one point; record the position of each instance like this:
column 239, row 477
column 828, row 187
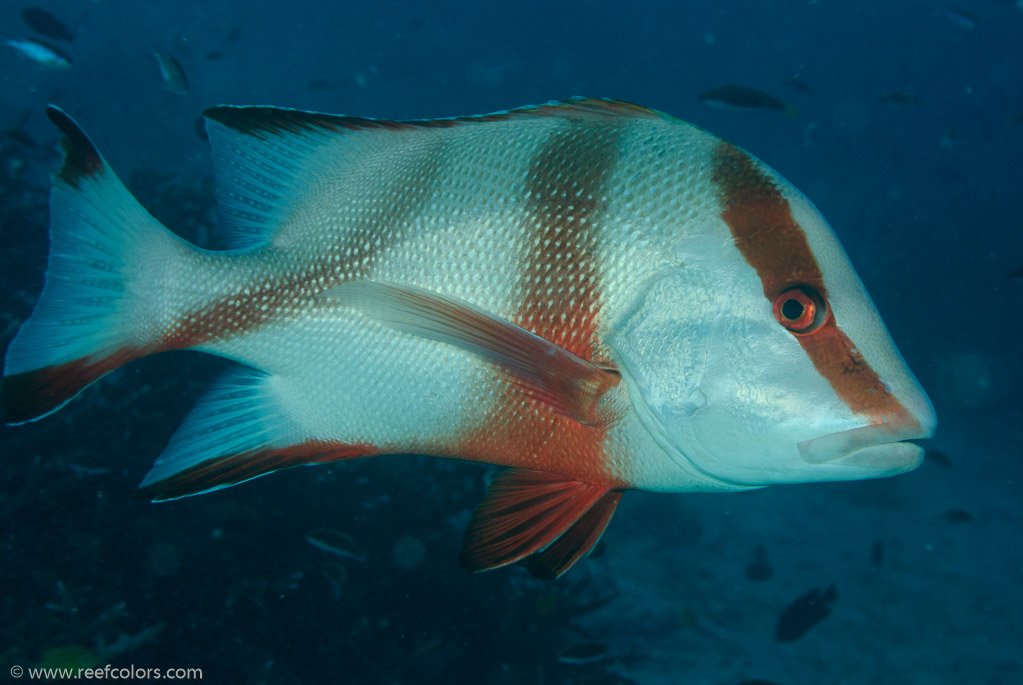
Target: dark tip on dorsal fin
column 599, row 108
column 81, row 158
column 258, row 120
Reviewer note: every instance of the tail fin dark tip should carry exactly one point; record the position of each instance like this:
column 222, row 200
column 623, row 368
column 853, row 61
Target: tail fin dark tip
column 81, row 158
column 34, row 394
column 21, row 402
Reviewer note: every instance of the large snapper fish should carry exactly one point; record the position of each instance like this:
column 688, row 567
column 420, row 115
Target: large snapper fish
column 592, row 293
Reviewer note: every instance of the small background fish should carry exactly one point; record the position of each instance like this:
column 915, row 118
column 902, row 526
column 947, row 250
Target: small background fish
column 44, row 54
column 960, row 17
column 172, row 74
column 804, row 613
column 744, row 98
column 899, row 97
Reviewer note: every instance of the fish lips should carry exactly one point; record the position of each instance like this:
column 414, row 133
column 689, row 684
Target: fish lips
column 876, row 448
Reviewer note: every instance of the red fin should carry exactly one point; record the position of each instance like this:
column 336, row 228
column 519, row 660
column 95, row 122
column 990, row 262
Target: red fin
column 523, row 511
column 576, row 542
column 549, row 373
column 223, row 472
column 33, row 394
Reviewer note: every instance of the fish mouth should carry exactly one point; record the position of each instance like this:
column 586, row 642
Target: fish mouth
column 877, row 447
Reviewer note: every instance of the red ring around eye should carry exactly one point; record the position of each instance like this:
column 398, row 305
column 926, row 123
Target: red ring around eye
column 797, row 310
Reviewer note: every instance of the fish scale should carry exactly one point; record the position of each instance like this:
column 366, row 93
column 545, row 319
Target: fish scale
column 591, row 293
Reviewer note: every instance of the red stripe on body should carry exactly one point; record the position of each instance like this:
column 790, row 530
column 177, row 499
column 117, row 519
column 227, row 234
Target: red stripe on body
column 522, row 433
column 282, row 284
column 561, row 303
column 233, row 315
column 773, row 243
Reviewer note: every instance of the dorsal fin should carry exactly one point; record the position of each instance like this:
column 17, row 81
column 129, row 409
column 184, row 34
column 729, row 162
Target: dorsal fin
column 258, row 175
column 265, row 157
column 267, row 122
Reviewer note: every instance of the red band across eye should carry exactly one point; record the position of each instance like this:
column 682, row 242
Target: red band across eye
column 798, row 310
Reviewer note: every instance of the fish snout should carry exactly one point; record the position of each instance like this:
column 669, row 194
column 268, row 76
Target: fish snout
column 881, row 445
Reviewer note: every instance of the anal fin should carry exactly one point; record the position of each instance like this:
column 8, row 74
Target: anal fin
column 524, row 511
column 228, row 470
column 238, row 432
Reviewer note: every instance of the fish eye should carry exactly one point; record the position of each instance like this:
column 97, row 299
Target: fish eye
column 800, row 309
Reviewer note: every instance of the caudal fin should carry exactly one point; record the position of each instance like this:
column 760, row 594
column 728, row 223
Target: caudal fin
column 91, row 316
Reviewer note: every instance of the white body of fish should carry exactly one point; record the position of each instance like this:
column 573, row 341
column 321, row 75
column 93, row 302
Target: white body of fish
column 595, row 294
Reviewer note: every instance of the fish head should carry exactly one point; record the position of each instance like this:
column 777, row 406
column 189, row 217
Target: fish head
column 758, row 356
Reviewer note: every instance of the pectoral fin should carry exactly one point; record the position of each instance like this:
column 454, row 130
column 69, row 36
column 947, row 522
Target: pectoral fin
column 547, row 372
